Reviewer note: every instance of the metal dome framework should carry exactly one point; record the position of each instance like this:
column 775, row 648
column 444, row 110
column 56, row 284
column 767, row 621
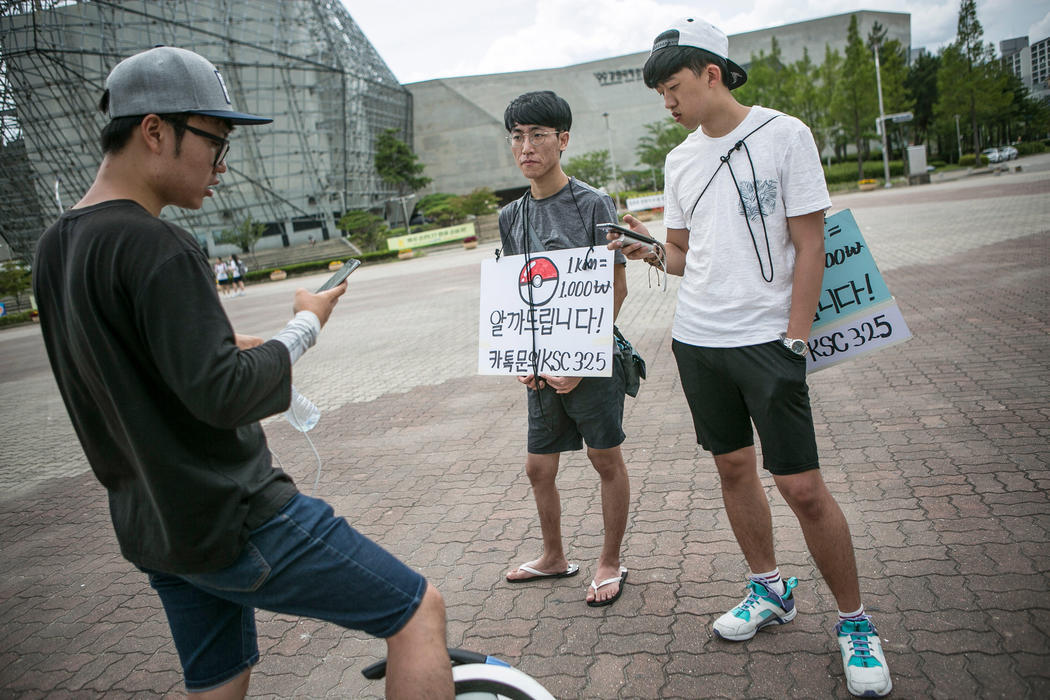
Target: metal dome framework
column 303, row 62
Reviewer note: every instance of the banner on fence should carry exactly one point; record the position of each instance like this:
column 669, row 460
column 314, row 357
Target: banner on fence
column 433, row 237
column 652, row 201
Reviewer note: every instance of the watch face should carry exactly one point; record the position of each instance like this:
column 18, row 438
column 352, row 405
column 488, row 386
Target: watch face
column 798, row 347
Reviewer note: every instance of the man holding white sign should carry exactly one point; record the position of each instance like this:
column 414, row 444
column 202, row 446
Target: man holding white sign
column 556, row 213
column 744, row 209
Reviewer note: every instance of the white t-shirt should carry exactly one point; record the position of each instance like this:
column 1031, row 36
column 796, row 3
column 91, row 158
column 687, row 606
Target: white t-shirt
column 726, row 298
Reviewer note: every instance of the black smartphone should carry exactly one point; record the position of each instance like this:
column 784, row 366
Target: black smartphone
column 341, row 274
column 633, row 236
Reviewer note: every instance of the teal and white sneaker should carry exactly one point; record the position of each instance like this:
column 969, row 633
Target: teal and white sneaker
column 867, row 675
column 761, row 607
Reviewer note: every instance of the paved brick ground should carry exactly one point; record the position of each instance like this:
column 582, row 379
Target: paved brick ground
column 937, row 450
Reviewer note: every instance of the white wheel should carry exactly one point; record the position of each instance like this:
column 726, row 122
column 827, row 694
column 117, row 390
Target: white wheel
column 488, row 681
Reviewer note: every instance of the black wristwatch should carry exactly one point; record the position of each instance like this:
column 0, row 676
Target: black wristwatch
column 795, row 345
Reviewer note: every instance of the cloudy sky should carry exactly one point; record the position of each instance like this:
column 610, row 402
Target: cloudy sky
column 425, row 39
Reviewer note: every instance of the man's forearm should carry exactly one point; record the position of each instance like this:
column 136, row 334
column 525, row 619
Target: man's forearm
column 807, row 235
column 300, row 334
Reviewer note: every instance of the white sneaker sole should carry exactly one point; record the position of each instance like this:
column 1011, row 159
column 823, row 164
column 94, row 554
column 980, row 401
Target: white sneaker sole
column 744, row 636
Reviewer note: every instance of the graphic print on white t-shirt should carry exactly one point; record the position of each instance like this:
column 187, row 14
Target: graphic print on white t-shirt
column 767, row 196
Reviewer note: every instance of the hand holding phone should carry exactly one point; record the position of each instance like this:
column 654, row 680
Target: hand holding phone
column 340, row 275
column 629, row 236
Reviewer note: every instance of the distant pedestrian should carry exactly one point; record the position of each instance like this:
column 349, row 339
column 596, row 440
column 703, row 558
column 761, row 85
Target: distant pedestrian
column 222, row 276
column 236, row 270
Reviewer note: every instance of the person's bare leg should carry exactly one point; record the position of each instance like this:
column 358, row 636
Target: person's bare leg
column 616, row 500
column 233, row 689
column 542, row 471
column 747, row 507
column 826, row 531
column 417, row 663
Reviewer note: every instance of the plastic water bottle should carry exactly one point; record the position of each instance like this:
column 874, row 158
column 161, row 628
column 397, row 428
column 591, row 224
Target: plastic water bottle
column 302, row 413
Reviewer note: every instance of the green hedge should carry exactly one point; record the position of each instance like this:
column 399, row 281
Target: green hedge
column 846, row 171
column 1031, row 147
column 970, row 159
column 16, row 318
column 316, row 265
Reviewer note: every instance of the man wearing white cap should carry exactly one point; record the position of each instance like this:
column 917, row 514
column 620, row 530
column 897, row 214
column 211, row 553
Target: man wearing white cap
column 745, row 198
column 166, row 401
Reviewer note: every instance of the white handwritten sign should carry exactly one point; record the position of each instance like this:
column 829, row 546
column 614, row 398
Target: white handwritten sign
column 549, row 312
column 856, row 313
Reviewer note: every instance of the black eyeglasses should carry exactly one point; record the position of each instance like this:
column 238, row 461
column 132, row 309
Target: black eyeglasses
column 224, row 144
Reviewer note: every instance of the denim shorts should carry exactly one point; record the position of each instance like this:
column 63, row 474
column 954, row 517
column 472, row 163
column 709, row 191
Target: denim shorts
column 729, row 388
column 591, row 413
column 304, row 561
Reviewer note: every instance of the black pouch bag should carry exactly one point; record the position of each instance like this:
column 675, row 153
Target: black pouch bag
column 633, row 364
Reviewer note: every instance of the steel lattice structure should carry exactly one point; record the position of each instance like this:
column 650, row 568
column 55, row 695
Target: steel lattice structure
column 304, row 62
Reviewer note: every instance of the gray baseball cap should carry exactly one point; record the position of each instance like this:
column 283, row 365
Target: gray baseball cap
column 167, row 80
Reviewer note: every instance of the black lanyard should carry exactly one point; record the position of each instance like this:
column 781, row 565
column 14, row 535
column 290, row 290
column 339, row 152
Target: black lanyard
column 758, row 200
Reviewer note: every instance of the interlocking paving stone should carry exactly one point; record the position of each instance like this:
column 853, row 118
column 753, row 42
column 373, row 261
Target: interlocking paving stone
column 937, row 450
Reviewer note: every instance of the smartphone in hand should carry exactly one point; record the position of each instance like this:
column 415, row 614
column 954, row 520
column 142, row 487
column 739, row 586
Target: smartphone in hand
column 629, row 236
column 340, row 275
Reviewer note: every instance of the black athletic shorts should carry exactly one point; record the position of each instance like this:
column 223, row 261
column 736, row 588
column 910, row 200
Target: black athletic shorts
column 591, row 413
column 729, row 388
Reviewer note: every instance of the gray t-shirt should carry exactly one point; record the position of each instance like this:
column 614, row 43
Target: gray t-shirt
column 566, row 219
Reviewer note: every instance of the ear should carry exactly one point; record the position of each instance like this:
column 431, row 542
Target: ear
column 153, row 134
column 713, row 74
column 563, row 140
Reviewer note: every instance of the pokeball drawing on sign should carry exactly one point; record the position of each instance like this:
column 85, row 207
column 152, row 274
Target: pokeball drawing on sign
column 538, row 281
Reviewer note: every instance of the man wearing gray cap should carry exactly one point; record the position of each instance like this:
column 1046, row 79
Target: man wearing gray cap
column 744, row 207
column 166, row 401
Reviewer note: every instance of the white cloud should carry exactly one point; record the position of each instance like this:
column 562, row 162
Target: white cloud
column 1040, row 30
column 421, row 39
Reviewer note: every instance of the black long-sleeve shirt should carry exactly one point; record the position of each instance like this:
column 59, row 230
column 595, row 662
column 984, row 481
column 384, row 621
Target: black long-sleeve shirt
column 164, row 403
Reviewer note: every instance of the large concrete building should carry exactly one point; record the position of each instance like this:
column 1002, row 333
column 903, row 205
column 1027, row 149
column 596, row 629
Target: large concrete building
column 303, row 62
column 458, row 128
column 1030, row 63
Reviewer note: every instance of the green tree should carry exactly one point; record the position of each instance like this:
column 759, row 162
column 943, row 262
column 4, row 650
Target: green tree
column 855, row 102
column 592, row 167
column 442, row 207
column 1028, row 118
column 479, row 202
column 765, row 84
column 803, row 96
column 921, row 83
column 663, row 136
column 659, row 141
column 827, row 130
column 397, row 164
column 245, row 235
column 364, row 229
column 15, row 278
column 893, row 68
column 970, row 82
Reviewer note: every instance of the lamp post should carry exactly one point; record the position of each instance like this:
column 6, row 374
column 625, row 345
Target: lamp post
column 882, row 118
column 612, row 158
column 958, row 135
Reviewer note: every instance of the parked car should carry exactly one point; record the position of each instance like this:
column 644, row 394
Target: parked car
column 1007, row 153
column 992, row 154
